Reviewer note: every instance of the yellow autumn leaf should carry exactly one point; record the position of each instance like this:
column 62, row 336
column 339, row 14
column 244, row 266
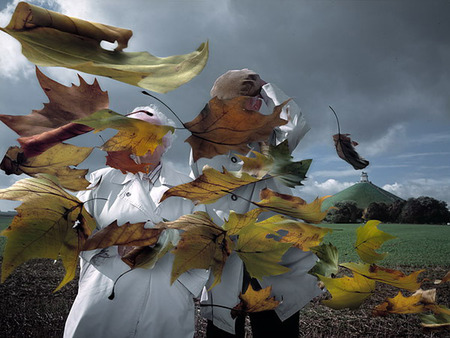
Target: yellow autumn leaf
column 292, row 206
column 203, row 245
column 54, row 161
column 387, row 276
column 210, row 186
column 400, row 304
column 52, row 39
column 261, row 254
column 254, row 301
column 50, row 223
column 368, row 239
column 347, row 292
column 135, row 135
column 236, row 222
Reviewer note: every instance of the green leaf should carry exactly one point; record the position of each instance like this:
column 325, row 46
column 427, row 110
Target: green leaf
column 327, row 265
column 51, row 39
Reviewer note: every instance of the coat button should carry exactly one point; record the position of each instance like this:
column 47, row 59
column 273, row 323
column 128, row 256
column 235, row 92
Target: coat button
column 128, row 194
column 234, row 159
column 234, row 197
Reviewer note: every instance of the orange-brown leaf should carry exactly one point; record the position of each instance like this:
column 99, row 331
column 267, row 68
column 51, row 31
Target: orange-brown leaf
column 127, row 234
column 121, row 160
column 225, row 125
column 255, row 301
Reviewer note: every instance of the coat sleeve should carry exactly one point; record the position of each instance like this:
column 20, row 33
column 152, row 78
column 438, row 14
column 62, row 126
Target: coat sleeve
column 296, row 128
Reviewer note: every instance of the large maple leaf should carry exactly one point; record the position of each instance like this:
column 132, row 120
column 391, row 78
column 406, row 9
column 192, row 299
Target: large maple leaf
column 136, row 136
column 51, row 125
column 225, row 125
column 51, row 39
column 50, row 223
column 54, row 161
column 255, row 301
column 203, row 245
column 400, row 304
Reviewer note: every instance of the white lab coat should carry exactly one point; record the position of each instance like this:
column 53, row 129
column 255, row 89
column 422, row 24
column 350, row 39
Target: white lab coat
column 145, row 304
column 296, row 287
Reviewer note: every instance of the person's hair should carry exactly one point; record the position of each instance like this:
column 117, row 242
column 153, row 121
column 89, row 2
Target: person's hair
column 169, row 138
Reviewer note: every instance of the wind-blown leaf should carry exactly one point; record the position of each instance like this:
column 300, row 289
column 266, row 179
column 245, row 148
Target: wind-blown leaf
column 225, row 125
column 435, row 321
column 134, row 135
column 126, row 234
column 368, row 239
column 292, row 206
column 51, row 39
column 446, row 278
column 203, row 245
column 54, row 161
column 386, row 276
column 327, row 265
column 51, row 125
column 210, row 186
column 345, row 149
column 347, row 292
column 121, row 160
column 260, row 254
column 50, row 223
column 236, row 222
column 255, row 301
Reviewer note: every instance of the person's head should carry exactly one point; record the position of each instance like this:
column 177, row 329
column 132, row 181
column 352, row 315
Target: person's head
column 236, row 83
column 152, row 115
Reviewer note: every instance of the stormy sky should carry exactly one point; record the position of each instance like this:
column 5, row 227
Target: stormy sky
column 384, row 66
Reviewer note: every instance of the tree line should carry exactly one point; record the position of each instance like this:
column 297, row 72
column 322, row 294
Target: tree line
column 420, row 210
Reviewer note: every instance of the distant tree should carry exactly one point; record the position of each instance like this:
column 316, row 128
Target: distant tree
column 378, row 211
column 344, row 212
column 395, row 210
column 425, row 210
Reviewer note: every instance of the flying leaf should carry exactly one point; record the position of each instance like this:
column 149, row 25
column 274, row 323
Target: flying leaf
column 203, row 245
column 121, row 160
column 368, row 239
column 446, row 278
column 51, row 125
column 255, row 301
column 277, row 163
column 54, row 161
column 386, row 276
column 126, row 234
column 435, row 321
column 260, row 254
column 400, row 304
column 54, row 40
column 347, row 292
column 210, row 186
column 327, row 265
column 225, row 125
column 146, row 256
column 426, row 296
column 236, row 222
column 292, row 206
column 345, row 149
column 301, row 235
column 134, row 135
column 50, row 223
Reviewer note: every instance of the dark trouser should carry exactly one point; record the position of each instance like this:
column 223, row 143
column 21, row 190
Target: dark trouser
column 264, row 324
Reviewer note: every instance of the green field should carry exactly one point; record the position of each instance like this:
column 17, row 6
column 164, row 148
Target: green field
column 416, row 245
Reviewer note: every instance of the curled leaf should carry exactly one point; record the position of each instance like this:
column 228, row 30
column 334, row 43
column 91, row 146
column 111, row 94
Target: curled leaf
column 254, row 301
column 50, row 223
column 433, row 321
column 52, row 39
column 225, row 125
column 345, row 149
column 368, row 239
column 54, row 161
column 327, row 265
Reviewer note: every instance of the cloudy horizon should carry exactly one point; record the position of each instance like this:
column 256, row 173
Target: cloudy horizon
column 383, row 66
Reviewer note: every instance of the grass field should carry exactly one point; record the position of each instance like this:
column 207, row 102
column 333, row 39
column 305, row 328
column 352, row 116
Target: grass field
column 29, row 308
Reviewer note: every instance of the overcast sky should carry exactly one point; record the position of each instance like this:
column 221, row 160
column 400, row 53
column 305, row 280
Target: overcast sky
column 384, row 66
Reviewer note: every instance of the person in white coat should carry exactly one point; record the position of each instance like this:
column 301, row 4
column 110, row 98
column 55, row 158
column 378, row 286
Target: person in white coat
column 144, row 304
column 294, row 288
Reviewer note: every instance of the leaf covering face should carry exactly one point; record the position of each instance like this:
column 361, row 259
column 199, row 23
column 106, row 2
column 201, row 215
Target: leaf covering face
column 54, row 40
column 50, row 224
column 225, row 125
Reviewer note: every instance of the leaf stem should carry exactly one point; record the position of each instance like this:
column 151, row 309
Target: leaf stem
column 148, row 94
column 337, row 119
